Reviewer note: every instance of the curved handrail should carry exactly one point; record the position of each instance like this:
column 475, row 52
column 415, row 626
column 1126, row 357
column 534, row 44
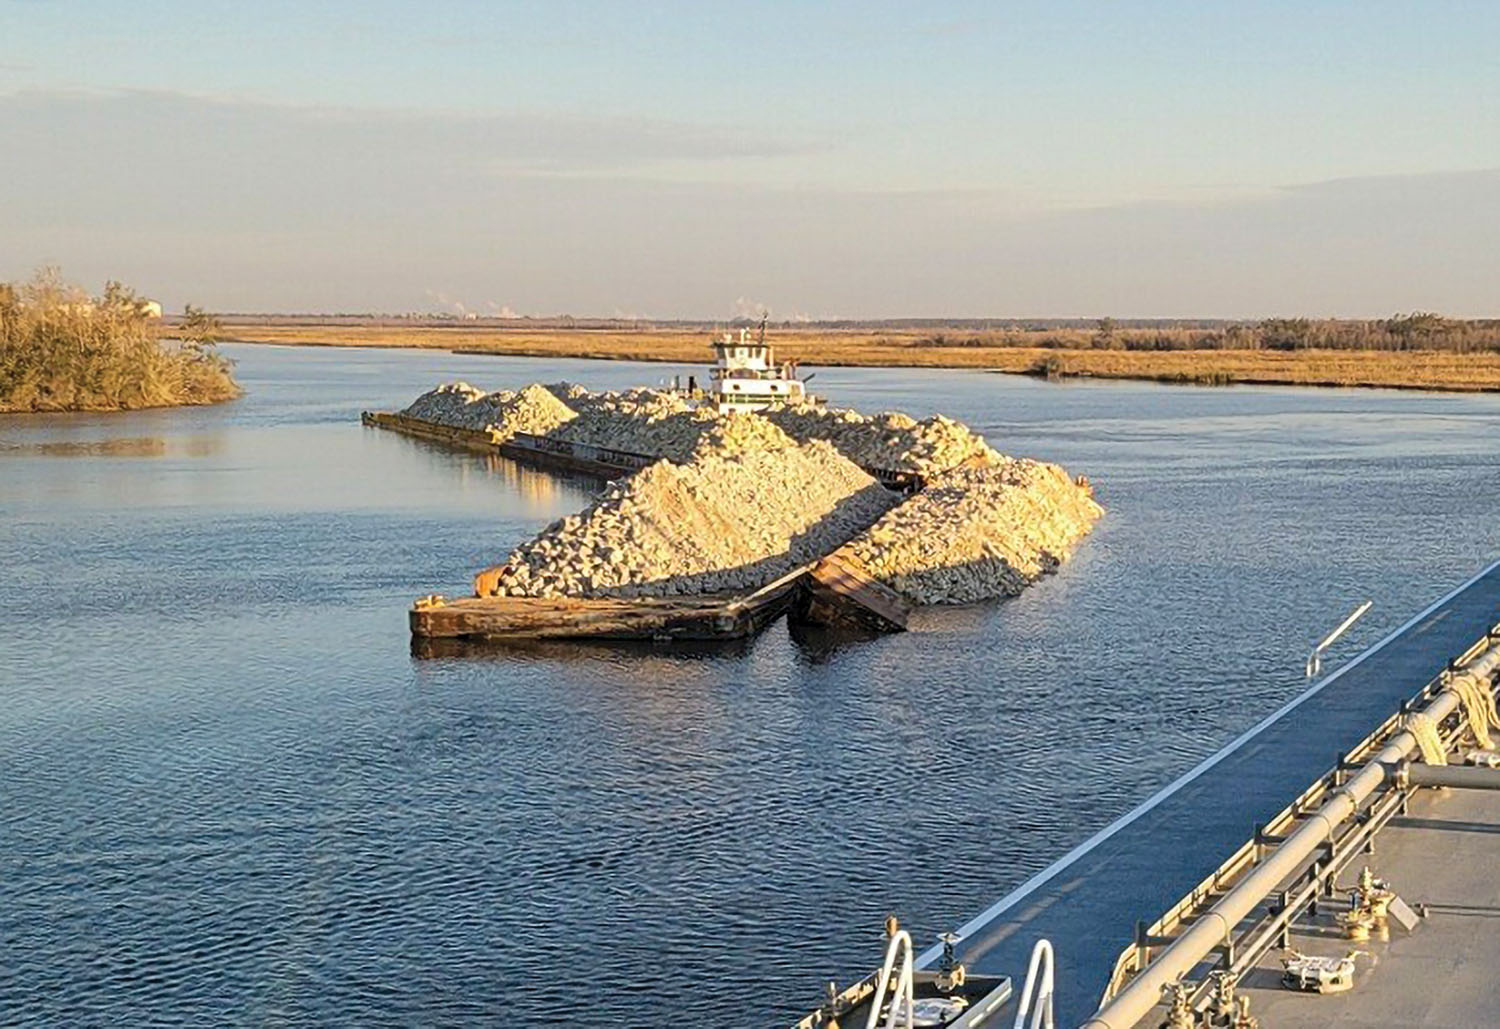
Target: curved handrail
column 1038, row 990
column 901, row 1003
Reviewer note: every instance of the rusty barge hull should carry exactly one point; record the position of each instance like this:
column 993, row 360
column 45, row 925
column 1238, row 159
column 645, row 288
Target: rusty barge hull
column 700, row 617
column 841, row 593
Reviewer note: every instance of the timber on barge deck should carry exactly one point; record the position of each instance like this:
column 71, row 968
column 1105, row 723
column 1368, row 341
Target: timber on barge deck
column 696, row 617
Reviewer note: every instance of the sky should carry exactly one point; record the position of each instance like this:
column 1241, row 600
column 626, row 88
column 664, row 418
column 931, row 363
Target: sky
column 1191, row 158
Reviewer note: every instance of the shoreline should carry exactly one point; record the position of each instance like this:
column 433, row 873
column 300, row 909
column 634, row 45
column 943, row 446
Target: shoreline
column 127, row 409
column 1423, row 370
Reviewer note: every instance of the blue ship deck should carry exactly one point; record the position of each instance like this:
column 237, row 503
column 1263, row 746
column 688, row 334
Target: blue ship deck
column 1089, row 901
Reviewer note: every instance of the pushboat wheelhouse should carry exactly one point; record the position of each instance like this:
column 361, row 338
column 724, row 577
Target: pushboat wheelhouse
column 746, row 376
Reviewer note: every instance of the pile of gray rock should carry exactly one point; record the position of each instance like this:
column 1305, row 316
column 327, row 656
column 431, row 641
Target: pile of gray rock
column 740, row 498
column 749, row 507
column 890, row 440
column 643, row 421
column 661, row 423
column 533, row 410
column 977, row 533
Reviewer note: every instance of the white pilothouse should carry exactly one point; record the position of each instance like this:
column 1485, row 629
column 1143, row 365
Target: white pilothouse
column 746, row 376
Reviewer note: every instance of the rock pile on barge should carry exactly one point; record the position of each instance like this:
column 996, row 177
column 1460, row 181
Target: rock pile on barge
column 728, row 509
column 533, row 410
column 890, row 440
column 748, row 507
column 661, row 423
column 978, row 532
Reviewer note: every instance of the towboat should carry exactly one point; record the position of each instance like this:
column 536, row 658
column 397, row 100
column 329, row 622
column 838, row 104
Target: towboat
column 746, row 377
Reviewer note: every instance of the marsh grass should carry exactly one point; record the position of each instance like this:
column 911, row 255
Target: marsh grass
column 62, row 350
column 1418, row 367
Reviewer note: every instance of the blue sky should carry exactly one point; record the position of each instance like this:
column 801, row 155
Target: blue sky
column 835, row 159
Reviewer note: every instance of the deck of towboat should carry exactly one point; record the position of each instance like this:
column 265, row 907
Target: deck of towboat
column 1089, row 902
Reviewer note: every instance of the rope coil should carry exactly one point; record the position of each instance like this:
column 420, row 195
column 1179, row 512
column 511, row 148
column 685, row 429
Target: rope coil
column 1479, row 706
column 1421, row 725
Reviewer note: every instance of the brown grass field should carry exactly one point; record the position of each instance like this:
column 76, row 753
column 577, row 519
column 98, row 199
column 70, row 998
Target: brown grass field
column 1396, row 369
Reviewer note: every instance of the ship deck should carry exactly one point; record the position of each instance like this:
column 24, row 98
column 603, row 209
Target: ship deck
column 1440, row 976
column 1089, row 901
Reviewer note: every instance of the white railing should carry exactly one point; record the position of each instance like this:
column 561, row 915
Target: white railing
column 1038, row 990
column 1315, row 659
column 898, row 950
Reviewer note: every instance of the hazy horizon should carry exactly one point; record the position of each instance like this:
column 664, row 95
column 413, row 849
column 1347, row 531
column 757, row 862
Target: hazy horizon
column 706, row 161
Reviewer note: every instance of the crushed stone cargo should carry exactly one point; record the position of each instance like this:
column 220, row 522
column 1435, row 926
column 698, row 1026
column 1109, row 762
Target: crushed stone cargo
column 661, row 423
column 979, row 532
column 736, row 500
column 748, row 507
column 889, row 440
column 533, row 410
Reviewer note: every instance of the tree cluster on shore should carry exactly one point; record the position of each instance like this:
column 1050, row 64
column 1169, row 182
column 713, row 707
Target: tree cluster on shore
column 1420, row 330
column 63, row 350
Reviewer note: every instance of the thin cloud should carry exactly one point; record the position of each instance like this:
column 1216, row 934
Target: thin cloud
column 482, row 140
column 244, row 206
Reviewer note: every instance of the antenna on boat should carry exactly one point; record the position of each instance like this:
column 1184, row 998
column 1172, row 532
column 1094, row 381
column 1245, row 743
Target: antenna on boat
column 763, row 316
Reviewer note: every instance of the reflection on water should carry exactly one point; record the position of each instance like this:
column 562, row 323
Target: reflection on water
column 230, row 794
column 640, row 653
column 819, row 644
column 133, row 446
column 529, row 489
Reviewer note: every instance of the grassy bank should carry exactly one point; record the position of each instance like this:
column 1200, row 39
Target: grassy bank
column 62, row 350
column 1062, row 356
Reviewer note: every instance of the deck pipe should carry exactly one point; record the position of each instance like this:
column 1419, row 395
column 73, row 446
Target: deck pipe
column 1217, row 924
column 1459, row 777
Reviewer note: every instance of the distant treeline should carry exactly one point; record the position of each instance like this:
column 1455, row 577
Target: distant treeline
column 63, row 350
column 1420, row 330
column 1417, row 331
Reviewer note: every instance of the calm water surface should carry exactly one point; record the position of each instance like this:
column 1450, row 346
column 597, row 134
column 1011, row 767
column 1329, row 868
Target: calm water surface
column 230, row 795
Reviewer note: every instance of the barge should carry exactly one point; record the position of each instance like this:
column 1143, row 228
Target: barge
column 544, row 452
column 714, row 498
column 551, row 453
column 724, row 616
column 831, row 592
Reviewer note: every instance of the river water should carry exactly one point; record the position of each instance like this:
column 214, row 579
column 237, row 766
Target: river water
column 230, row 795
